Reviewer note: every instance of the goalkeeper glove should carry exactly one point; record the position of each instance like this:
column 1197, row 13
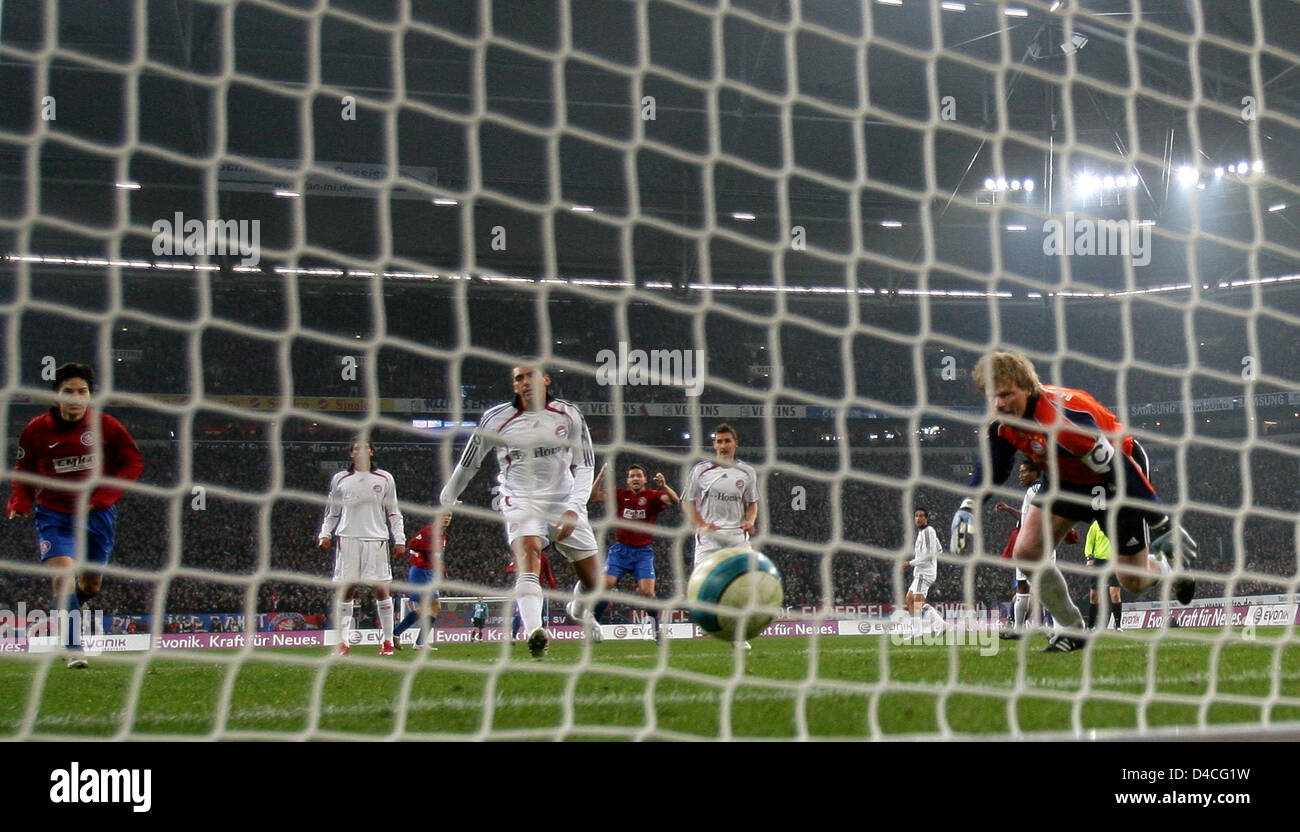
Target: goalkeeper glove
column 963, row 526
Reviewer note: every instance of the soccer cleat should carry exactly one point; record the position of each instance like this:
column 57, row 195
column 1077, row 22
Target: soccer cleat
column 1009, row 635
column 343, row 650
column 747, row 646
column 1062, row 643
column 77, row 661
column 387, row 649
column 537, row 643
column 592, row 629
column 397, row 645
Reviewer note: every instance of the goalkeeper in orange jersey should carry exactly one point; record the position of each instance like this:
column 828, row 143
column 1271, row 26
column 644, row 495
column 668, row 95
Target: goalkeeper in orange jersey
column 1100, row 472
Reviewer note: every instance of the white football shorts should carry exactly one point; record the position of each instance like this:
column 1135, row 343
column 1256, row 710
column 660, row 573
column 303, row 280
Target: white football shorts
column 362, row 561
column 535, row 518
column 921, row 585
column 709, row 541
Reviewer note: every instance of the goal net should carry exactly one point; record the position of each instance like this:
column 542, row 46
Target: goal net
column 272, row 226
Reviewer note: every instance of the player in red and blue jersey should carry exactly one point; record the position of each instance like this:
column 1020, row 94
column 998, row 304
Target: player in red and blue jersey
column 69, row 443
column 1096, row 467
column 631, row 553
column 424, row 556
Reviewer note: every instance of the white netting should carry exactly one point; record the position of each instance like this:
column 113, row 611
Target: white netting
column 838, row 206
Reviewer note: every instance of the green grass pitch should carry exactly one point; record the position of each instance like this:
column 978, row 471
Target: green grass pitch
column 845, row 687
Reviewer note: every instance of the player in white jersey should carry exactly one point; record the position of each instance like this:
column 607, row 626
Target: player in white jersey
column 925, row 570
column 721, row 497
column 364, row 516
column 546, row 467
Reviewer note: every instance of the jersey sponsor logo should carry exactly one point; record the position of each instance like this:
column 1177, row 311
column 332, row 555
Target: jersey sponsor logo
column 539, row 453
column 68, row 464
column 88, row 439
column 633, row 514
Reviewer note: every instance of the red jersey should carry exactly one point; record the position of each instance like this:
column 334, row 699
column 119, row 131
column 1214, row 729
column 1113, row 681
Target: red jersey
column 53, row 447
column 420, row 547
column 644, row 506
column 1076, row 422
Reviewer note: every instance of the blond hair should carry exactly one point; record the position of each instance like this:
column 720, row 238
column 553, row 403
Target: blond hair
column 1007, row 366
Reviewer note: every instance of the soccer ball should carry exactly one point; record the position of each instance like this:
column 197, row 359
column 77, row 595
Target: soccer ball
column 739, row 579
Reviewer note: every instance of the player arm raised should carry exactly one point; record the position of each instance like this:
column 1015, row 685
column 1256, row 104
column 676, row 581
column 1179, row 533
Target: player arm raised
column 598, row 486
column 670, row 497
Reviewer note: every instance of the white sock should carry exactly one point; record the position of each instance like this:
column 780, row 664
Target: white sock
column 931, row 614
column 529, row 591
column 385, row 608
column 916, row 626
column 346, row 611
column 1021, row 608
column 1055, row 596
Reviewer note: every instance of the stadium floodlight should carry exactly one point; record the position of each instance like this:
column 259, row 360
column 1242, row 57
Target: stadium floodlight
column 280, row 192
column 890, row 2
column 1074, row 44
column 891, row 224
column 1017, row 228
column 1258, row 166
column 1002, row 183
column 1243, row 168
column 127, row 186
column 953, row 7
column 1056, row 4
column 1015, row 184
column 1108, row 182
column 989, row 184
column 442, row 200
column 1274, row 208
column 1029, row 185
column 743, row 215
column 1016, row 12
column 582, row 209
column 1133, row 180
column 1187, row 175
column 1218, row 171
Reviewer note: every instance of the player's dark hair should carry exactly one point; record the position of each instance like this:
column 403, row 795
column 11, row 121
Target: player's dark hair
column 726, row 428
column 924, row 511
column 70, row 370
column 637, row 467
